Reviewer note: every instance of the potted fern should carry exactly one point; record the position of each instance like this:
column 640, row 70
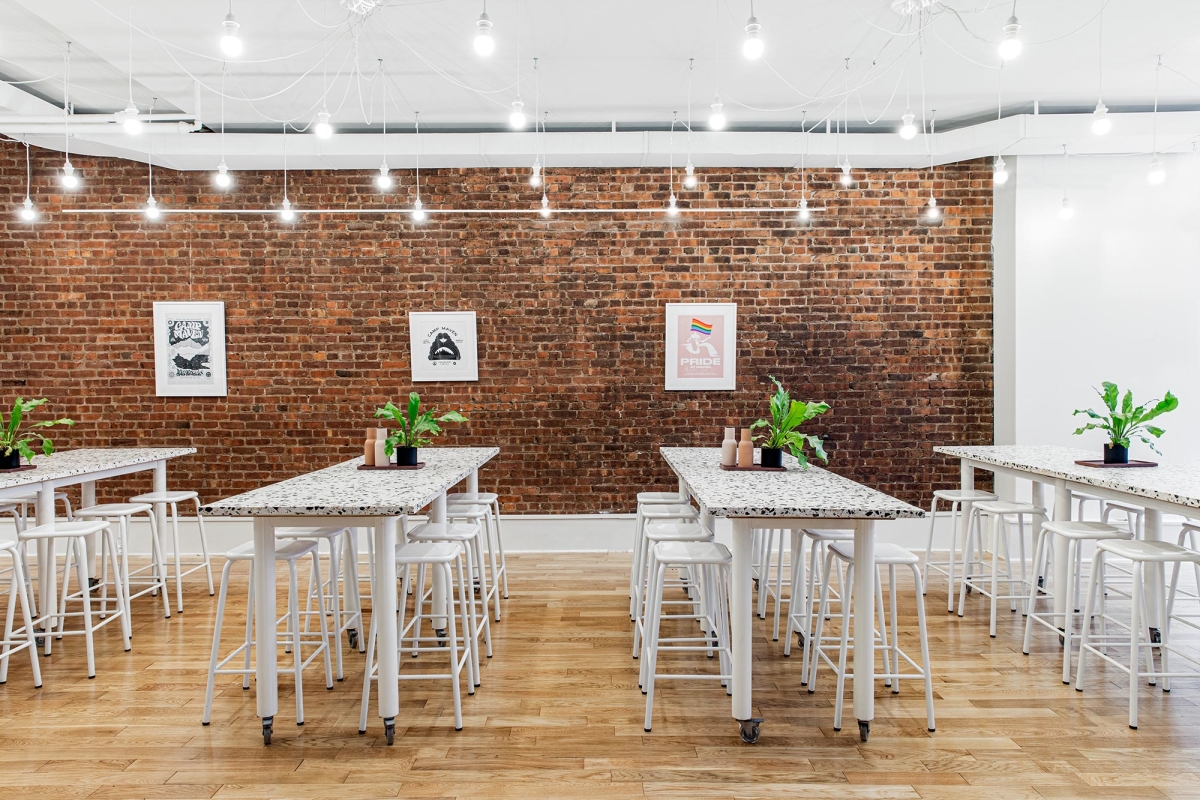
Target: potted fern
column 787, row 415
column 14, row 442
column 1126, row 422
column 416, row 429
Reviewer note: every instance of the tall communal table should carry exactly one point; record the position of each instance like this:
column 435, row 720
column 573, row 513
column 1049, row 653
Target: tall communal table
column 792, row 500
column 1173, row 488
column 84, row 466
column 377, row 499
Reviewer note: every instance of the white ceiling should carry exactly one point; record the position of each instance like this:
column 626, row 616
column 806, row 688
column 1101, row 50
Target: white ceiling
column 600, row 63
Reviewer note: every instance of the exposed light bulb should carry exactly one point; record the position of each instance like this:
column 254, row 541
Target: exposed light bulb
column 152, row 209
column 133, row 125
column 689, row 178
column 516, row 118
column 1010, row 45
column 1101, row 124
column 672, row 209
column 1157, row 173
column 999, row 172
column 69, row 179
column 716, row 120
column 846, row 178
column 907, row 130
column 545, row 210
column 27, row 212
column 222, row 178
column 418, row 211
column 231, row 43
column 323, row 129
column 535, row 177
column 1067, row 211
column 804, row 213
column 484, row 43
column 384, row 179
column 932, row 211
column 286, row 214
column 752, row 48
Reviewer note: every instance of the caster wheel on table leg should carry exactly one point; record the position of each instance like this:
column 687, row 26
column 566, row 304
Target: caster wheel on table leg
column 864, row 730
column 352, row 637
column 441, row 635
column 268, row 724
column 389, row 731
column 749, row 729
column 1155, row 636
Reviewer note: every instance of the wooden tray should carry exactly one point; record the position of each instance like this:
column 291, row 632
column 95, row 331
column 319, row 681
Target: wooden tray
column 755, row 468
column 418, row 465
column 1099, row 462
column 20, row 469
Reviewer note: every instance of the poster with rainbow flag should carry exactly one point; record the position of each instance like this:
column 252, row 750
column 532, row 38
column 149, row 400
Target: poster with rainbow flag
column 701, row 346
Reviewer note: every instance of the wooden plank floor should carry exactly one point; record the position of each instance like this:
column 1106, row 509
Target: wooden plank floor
column 559, row 714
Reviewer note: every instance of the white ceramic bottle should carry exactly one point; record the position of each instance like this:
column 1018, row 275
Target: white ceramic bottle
column 729, row 449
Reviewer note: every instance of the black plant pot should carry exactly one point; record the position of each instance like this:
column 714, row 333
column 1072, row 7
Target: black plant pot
column 406, row 456
column 772, row 457
column 1116, row 454
column 11, row 461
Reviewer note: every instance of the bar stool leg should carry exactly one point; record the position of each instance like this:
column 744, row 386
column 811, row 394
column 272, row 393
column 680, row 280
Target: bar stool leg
column 294, row 619
column 216, row 645
column 925, row 667
column 316, row 570
column 797, row 549
column 955, row 513
column 204, row 547
column 175, row 550
column 895, row 624
column 452, row 634
column 1068, row 607
column 841, row 678
column 366, row 692
column 1135, row 634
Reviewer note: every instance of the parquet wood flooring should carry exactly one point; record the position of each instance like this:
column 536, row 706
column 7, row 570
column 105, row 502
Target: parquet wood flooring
column 559, row 714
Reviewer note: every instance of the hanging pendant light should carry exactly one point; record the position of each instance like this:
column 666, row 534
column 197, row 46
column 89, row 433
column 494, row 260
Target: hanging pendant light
column 323, row 129
column 516, row 117
column 231, row 43
column 27, row 211
column 535, row 176
column 69, row 179
column 285, row 211
column 384, row 179
column 803, row 212
column 484, row 43
column 752, row 47
column 672, row 208
column 545, row 209
column 1066, row 210
column 1010, row 45
column 846, row 178
column 1101, row 124
column 999, row 171
column 1158, row 172
column 689, row 176
column 418, row 209
column 907, row 130
column 222, row 178
column 716, row 120
column 152, row 209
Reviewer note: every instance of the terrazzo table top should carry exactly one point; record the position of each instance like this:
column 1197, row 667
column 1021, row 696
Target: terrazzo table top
column 813, row 493
column 86, row 460
column 1172, row 483
column 345, row 491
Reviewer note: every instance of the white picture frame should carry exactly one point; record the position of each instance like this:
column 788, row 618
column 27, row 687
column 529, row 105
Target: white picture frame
column 189, row 349
column 444, row 346
column 701, row 347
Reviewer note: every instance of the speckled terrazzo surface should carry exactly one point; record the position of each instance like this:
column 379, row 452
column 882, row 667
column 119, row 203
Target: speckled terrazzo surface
column 813, row 493
column 1172, row 483
column 344, row 490
column 72, row 463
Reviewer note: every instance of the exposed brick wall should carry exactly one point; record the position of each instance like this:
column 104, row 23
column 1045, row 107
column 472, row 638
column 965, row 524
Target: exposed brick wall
column 869, row 309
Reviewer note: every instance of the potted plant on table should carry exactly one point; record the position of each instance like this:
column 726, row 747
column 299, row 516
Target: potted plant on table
column 787, row 415
column 14, row 443
column 416, row 428
column 1126, row 422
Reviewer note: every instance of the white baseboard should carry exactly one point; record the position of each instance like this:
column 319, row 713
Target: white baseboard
column 533, row 533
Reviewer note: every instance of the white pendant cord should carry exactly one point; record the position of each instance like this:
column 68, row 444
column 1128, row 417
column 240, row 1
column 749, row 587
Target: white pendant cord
column 1064, row 174
column 131, row 53
column 417, row 131
column 691, row 67
column 67, row 105
column 150, row 144
column 1154, row 123
column 28, row 174
column 545, row 171
column 519, row 52
column 999, row 107
column 285, row 175
column 224, row 69
column 1100, row 56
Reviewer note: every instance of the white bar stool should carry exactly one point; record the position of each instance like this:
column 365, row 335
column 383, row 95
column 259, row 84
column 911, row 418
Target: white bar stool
column 470, row 538
column 345, row 610
column 76, row 533
column 496, row 547
column 648, row 514
column 1075, row 532
column 292, row 637
column 652, row 534
column 480, row 515
column 25, row 501
column 765, row 546
column 18, row 592
column 173, row 499
column 801, row 622
column 956, row 498
column 711, row 563
column 891, row 556
column 1140, row 553
column 1135, row 516
column 999, row 512
column 123, row 514
column 645, row 499
column 440, row 556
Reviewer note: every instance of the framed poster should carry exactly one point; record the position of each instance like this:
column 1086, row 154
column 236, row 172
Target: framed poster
column 701, row 346
column 443, row 346
column 189, row 349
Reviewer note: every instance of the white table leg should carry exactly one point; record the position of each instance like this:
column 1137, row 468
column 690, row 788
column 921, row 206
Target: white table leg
column 1062, row 513
column 266, row 667
column 741, row 608
column 1154, row 576
column 966, row 478
column 87, row 497
column 473, row 481
column 47, row 558
column 437, row 513
column 864, row 625
column 383, row 604
column 160, row 510
column 683, row 490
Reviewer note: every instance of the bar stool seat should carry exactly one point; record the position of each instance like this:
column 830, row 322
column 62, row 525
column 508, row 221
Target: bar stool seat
column 646, row 514
column 123, row 514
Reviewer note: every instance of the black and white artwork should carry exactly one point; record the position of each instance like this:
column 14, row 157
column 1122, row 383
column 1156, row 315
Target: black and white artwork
column 443, row 346
column 189, row 349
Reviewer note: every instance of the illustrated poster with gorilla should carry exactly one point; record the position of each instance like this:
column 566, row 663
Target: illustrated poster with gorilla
column 443, row 346
column 189, row 349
